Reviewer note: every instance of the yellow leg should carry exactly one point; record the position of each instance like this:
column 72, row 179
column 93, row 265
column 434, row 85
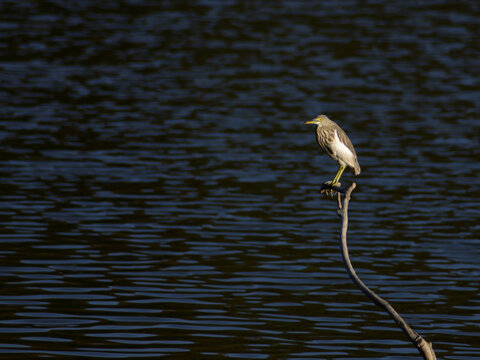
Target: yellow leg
column 340, row 171
column 334, row 182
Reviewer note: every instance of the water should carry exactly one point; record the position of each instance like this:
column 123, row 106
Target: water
column 160, row 191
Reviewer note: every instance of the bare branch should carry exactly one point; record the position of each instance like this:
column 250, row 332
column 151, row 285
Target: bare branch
column 424, row 347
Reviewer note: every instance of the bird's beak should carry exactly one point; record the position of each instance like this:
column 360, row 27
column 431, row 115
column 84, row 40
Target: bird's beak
column 310, row 122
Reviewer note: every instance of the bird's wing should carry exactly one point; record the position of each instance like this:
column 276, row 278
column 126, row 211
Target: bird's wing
column 353, row 163
column 344, row 139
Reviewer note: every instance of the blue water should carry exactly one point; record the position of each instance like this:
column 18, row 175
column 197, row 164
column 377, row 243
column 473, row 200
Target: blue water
column 160, row 193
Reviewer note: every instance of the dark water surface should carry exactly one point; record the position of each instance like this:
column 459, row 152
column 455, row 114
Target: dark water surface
column 159, row 191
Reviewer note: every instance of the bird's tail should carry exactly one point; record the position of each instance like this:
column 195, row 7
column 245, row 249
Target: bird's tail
column 356, row 168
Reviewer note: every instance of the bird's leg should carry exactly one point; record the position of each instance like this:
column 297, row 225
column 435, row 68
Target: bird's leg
column 340, row 171
column 335, row 180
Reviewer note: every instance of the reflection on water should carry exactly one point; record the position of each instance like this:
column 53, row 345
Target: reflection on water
column 160, row 193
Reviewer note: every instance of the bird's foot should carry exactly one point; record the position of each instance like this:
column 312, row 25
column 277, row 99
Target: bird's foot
column 330, row 188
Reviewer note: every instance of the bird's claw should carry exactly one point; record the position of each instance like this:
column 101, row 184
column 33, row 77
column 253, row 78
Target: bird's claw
column 327, row 188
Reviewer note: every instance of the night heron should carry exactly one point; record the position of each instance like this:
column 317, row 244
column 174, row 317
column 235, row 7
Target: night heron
column 336, row 144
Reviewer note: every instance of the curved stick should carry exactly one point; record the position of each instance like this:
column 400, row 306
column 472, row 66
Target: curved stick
column 424, row 347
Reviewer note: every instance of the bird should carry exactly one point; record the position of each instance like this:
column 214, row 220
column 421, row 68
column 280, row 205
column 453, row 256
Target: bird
column 336, row 144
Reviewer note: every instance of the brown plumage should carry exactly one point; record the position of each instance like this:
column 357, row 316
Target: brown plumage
column 336, row 144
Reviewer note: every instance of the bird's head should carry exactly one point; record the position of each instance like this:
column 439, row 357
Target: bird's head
column 318, row 120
